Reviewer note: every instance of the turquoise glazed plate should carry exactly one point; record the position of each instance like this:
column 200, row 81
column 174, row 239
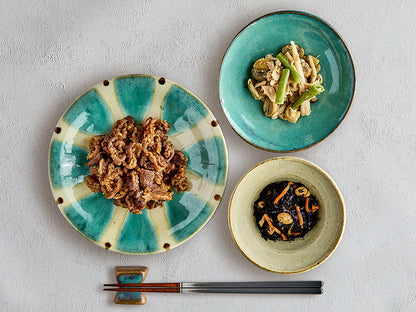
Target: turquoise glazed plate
column 268, row 34
column 301, row 254
column 194, row 131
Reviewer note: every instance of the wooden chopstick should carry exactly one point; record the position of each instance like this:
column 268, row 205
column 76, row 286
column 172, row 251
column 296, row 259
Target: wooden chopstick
column 290, row 287
column 144, row 289
column 149, row 285
column 273, row 284
column 227, row 290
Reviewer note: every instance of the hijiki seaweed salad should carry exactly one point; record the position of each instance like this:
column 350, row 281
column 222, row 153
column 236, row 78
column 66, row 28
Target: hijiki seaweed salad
column 285, row 210
column 287, row 83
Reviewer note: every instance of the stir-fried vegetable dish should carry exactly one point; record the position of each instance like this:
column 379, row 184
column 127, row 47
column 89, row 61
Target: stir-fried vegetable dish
column 287, row 84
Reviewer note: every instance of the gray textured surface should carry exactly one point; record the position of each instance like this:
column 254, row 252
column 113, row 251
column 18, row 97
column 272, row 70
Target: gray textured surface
column 50, row 53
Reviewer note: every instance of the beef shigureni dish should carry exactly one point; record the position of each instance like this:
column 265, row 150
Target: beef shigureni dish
column 136, row 166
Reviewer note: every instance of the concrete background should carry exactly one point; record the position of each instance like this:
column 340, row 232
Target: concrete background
column 50, row 53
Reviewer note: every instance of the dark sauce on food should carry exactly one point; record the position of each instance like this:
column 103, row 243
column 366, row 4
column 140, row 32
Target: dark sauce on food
column 285, row 210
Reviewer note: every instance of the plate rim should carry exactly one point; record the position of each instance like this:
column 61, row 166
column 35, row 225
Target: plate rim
column 349, row 55
column 156, row 78
column 327, row 176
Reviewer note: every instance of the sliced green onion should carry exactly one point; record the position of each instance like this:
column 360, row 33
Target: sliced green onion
column 308, row 94
column 281, row 88
column 296, row 76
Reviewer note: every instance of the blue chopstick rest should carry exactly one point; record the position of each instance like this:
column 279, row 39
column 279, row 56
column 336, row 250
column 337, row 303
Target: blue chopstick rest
column 128, row 275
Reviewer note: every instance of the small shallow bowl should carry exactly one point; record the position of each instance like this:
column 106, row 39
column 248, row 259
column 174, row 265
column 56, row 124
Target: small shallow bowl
column 194, row 131
column 299, row 255
column 268, row 34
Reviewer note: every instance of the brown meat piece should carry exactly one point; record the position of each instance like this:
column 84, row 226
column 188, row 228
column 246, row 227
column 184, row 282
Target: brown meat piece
column 169, row 151
column 147, row 178
column 136, row 166
column 93, row 183
column 177, row 176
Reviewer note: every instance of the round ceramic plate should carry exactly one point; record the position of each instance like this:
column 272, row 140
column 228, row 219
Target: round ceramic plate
column 299, row 255
column 269, row 34
column 194, row 131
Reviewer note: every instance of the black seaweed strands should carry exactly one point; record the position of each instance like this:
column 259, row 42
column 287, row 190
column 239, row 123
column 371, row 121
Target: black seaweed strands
column 285, row 211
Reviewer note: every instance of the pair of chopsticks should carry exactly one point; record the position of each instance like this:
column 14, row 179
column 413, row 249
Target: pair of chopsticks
column 288, row 287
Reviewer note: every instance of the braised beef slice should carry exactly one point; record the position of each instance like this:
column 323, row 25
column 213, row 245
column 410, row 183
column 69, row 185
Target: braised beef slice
column 136, row 166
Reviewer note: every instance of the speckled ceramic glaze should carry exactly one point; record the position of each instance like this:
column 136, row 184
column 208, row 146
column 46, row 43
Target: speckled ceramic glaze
column 299, row 255
column 194, row 131
column 269, row 34
column 130, row 275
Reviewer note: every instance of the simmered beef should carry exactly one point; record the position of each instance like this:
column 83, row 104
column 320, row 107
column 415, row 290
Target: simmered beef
column 136, row 166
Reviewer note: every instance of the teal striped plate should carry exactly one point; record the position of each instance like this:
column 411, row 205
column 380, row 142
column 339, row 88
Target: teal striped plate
column 194, row 131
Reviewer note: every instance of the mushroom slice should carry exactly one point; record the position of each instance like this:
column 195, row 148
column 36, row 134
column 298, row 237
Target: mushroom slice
column 307, row 70
column 259, row 74
column 266, row 106
column 261, row 63
column 318, row 68
column 270, row 108
column 318, row 78
column 260, row 69
column 288, row 48
column 281, row 111
column 315, row 60
column 276, row 110
column 285, row 218
column 302, row 191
